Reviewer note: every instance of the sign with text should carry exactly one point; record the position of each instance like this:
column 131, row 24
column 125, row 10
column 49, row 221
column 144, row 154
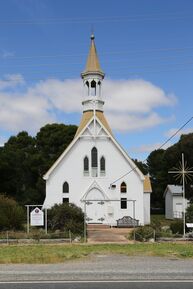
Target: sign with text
column 37, row 217
column 189, row 225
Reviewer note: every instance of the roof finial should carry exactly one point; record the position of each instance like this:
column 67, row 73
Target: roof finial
column 92, row 33
column 92, row 65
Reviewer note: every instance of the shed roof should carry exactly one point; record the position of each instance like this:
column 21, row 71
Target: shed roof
column 147, row 185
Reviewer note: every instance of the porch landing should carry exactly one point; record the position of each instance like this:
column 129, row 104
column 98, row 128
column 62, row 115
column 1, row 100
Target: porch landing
column 105, row 234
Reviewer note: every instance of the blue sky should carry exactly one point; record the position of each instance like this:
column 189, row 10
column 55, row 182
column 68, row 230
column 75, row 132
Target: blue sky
column 145, row 48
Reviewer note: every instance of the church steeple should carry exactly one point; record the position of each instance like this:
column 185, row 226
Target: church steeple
column 92, row 65
column 92, row 80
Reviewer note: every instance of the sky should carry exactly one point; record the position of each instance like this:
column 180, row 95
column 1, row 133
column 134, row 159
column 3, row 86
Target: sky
column 145, row 48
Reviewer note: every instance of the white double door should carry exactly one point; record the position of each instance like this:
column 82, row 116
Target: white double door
column 95, row 207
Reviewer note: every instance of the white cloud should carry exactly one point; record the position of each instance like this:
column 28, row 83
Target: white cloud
column 130, row 122
column 135, row 96
column 130, row 104
column 64, row 95
column 11, row 80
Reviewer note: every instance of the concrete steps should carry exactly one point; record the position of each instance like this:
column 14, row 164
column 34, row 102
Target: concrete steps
column 97, row 227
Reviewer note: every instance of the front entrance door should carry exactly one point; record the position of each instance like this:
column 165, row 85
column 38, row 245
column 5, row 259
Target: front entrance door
column 95, row 207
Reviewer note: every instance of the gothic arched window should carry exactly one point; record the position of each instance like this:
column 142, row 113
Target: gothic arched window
column 65, row 187
column 99, row 88
column 86, row 166
column 93, row 88
column 123, row 187
column 87, row 85
column 94, row 161
column 102, row 166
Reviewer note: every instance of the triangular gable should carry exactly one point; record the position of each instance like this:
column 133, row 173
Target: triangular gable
column 94, row 129
column 55, row 164
column 94, row 185
column 124, row 153
column 86, row 118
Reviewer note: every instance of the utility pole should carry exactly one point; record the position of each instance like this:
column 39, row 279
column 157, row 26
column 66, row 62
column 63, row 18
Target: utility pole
column 181, row 173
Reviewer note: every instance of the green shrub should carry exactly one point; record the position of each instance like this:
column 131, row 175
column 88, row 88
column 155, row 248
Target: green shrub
column 12, row 216
column 143, row 234
column 177, row 227
column 66, row 217
column 189, row 214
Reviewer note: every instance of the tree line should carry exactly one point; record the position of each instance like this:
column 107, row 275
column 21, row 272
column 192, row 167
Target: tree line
column 25, row 159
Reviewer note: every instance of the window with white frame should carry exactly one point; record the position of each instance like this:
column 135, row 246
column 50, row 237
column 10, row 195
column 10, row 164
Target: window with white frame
column 102, row 166
column 94, row 162
column 86, row 166
column 65, row 187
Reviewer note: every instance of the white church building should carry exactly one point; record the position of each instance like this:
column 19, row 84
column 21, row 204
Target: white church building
column 95, row 172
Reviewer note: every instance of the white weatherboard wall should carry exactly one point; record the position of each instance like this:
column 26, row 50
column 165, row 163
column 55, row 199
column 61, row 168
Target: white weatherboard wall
column 146, row 208
column 174, row 205
column 70, row 169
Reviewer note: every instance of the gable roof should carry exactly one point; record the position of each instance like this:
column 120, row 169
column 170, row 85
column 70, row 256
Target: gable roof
column 87, row 116
column 147, row 185
column 175, row 190
column 124, row 153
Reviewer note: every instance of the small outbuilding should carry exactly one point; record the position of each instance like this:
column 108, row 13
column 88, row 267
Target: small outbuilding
column 174, row 202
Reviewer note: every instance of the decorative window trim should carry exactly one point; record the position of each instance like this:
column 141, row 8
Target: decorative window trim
column 65, row 188
column 86, row 171
column 94, row 162
column 102, row 166
column 123, row 187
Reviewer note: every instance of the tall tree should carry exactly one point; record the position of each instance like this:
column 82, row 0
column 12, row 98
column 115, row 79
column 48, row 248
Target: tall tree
column 161, row 161
column 24, row 160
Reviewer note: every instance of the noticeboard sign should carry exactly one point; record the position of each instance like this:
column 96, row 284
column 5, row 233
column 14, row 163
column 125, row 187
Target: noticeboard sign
column 37, row 217
column 189, row 225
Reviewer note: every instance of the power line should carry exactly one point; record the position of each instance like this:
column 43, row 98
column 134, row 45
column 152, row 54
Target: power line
column 162, row 49
column 138, row 17
column 160, row 147
column 64, row 76
column 63, row 64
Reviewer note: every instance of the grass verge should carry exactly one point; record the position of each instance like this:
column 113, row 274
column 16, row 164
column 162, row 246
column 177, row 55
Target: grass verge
column 45, row 254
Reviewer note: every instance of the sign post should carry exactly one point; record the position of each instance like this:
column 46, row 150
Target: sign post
column 36, row 217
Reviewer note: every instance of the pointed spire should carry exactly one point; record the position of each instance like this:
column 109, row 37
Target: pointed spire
column 92, row 65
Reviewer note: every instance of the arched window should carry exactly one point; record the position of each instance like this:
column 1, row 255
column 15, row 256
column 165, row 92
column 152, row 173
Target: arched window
column 65, row 187
column 93, row 87
column 102, row 166
column 86, row 166
column 99, row 88
column 123, row 187
column 94, row 161
column 87, row 85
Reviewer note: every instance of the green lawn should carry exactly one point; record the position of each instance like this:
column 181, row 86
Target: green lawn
column 61, row 253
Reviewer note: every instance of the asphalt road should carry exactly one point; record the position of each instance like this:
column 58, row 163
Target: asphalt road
column 99, row 285
column 102, row 268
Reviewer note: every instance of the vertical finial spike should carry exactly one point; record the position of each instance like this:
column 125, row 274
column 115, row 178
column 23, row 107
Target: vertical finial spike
column 92, row 33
